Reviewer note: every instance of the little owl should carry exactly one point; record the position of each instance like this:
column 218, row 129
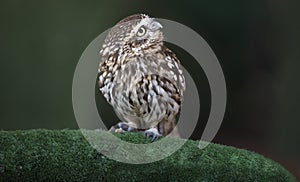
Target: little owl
column 140, row 77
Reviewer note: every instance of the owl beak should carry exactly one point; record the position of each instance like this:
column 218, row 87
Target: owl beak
column 156, row 26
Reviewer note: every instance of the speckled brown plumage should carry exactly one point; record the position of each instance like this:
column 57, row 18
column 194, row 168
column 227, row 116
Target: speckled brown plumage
column 140, row 77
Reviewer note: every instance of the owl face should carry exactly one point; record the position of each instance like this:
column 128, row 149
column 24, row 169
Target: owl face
column 146, row 29
column 136, row 34
column 145, row 36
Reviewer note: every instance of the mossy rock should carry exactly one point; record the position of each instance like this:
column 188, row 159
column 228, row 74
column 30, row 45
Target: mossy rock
column 65, row 155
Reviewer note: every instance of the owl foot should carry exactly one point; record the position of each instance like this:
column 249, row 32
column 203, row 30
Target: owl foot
column 152, row 133
column 122, row 127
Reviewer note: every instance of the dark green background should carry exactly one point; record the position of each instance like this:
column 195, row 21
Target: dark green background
column 257, row 43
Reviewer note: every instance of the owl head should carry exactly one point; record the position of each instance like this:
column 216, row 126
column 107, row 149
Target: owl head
column 137, row 34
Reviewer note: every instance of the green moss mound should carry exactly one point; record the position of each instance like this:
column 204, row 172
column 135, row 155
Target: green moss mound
column 65, row 155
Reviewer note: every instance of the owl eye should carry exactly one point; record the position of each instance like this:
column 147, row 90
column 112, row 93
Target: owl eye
column 141, row 31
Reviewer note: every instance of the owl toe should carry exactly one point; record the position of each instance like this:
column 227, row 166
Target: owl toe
column 122, row 127
column 153, row 134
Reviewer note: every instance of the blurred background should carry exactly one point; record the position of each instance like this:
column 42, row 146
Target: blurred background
column 256, row 42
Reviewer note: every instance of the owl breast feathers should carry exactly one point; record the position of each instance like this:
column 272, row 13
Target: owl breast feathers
column 140, row 77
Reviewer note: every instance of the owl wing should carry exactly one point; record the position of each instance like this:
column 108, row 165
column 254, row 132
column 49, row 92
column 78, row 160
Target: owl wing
column 107, row 71
column 172, row 65
column 155, row 92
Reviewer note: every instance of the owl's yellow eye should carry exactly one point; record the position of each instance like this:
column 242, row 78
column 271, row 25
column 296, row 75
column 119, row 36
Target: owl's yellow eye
column 141, row 31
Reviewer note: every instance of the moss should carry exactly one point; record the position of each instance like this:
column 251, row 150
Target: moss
column 65, row 155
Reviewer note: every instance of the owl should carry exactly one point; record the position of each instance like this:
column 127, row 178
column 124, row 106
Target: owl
column 141, row 78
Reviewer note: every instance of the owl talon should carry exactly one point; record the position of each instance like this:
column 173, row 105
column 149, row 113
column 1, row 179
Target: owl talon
column 153, row 134
column 112, row 129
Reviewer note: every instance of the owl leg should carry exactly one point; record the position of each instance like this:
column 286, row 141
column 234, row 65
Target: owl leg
column 152, row 133
column 168, row 127
column 123, row 127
